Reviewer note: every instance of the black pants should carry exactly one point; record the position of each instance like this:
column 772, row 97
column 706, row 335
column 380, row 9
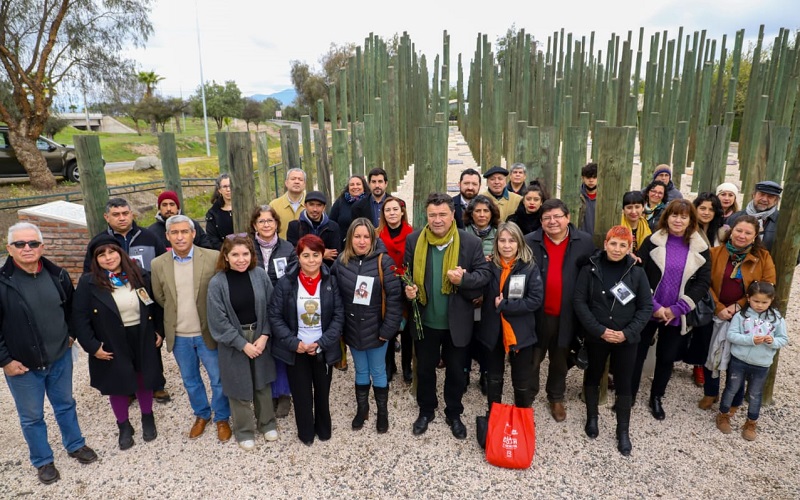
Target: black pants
column 434, row 345
column 668, row 348
column 521, row 362
column 310, row 383
column 406, row 349
column 623, row 358
column 556, row 387
column 476, row 351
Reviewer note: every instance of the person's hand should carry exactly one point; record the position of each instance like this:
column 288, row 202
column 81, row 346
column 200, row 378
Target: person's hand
column 261, row 343
column 659, row 313
column 330, row 254
column 251, row 351
column 301, row 347
column 104, row 355
column 489, row 257
column 609, row 336
column 668, row 315
column 477, row 302
column 71, row 341
column 758, row 339
column 159, row 340
column 382, row 339
column 15, row 368
column 768, row 339
column 497, row 300
column 411, row 292
column 456, row 275
column 312, row 348
column 725, row 314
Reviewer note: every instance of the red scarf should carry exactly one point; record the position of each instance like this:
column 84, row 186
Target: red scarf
column 310, row 284
column 396, row 247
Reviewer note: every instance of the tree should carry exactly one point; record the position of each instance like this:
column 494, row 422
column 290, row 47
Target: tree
column 311, row 86
column 157, row 110
column 252, row 112
column 42, row 44
column 336, row 59
column 150, row 79
column 120, row 95
column 54, row 125
column 222, row 101
column 178, row 107
column 270, row 106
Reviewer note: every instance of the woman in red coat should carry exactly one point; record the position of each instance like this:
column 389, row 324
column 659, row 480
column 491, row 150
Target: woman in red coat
column 393, row 231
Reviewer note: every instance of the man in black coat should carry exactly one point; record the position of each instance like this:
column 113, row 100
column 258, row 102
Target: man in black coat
column 35, row 340
column 560, row 251
column 169, row 205
column 449, row 271
column 314, row 220
column 469, row 185
column 370, row 206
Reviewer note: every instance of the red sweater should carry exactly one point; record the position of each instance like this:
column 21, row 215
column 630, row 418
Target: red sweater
column 554, row 285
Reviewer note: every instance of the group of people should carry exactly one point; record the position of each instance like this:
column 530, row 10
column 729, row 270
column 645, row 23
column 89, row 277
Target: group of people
column 496, row 275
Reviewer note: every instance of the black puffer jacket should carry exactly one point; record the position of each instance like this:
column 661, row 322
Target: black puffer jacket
column 598, row 309
column 219, row 224
column 282, row 313
column 518, row 312
column 364, row 326
column 282, row 249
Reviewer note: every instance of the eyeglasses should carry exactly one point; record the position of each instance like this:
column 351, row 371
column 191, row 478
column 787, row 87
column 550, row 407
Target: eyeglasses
column 553, row 218
column 233, row 236
column 265, row 222
column 225, row 187
column 21, row 244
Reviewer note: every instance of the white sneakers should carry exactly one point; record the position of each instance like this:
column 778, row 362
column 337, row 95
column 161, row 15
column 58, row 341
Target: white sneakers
column 247, row 445
column 271, row 435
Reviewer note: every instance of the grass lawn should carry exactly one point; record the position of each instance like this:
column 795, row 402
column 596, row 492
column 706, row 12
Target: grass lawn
column 127, row 147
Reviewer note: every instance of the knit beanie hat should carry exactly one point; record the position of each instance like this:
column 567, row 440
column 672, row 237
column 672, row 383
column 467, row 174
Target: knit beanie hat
column 728, row 186
column 169, row 195
column 663, row 168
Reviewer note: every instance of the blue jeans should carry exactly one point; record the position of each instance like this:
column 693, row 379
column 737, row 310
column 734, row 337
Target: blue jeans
column 28, row 391
column 738, row 373
column 371, row 363
column 189, row 353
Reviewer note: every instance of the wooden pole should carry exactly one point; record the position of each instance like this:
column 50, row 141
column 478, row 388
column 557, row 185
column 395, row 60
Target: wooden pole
column 425, row 160
column 341, row 163
column 309, row 165
column 222, row 153
column 243, row 196
column 262, row 153
column 93, row 181
column 323, row 163
column 169, row 164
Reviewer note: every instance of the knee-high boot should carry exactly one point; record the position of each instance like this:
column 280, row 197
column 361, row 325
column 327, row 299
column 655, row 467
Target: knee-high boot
column 592, row 396
column 494, row 389
column 362, row 406
column 623, row 424
column 382, row 402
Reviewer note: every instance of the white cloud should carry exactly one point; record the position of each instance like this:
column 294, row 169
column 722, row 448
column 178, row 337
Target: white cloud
column 253, row 42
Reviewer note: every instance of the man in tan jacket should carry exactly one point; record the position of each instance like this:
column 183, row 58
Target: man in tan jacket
column 180, row 285
column 497, row 190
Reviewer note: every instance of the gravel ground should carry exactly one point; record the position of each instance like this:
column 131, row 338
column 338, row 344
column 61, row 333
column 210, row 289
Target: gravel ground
column 684, row 456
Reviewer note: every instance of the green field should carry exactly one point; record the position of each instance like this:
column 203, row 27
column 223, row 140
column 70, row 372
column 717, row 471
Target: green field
column 127, row 147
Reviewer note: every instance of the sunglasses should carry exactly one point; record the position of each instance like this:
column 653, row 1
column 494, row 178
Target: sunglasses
column 233, row 236
column 21, row 244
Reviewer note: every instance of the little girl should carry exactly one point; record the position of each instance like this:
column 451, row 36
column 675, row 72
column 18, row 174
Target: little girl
column 755, row 334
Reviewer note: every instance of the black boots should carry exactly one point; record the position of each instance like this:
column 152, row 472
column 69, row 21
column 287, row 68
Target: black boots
column 592, row 396
column 623, row 424
column 494, row 389
column 382, row 402
column 656, row 409
column 149, row 431
column 125, row 434
column 362, row 406
column 523, row 398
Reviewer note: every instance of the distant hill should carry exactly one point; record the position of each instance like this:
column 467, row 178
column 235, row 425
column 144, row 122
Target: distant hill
column 286, row 97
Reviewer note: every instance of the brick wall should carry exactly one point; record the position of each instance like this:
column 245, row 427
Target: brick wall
column 65, row 243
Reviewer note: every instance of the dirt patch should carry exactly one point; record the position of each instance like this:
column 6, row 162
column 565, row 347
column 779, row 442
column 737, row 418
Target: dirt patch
column 145, row 149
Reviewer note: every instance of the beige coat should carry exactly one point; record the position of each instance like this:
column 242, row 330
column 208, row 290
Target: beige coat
column 284, row 210
column 165, row 291
column 506, row 206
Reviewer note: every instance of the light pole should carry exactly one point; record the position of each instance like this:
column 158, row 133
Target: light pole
column 202, row 81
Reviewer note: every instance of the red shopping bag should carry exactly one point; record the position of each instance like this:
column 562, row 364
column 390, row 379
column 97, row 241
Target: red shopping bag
column 511, row 439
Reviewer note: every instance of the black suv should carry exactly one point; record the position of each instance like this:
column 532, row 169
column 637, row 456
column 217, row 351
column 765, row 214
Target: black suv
column 60, row 158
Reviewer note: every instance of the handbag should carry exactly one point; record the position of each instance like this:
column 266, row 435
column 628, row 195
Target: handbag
column 481, row 428
column 703, row 313
column 511, row 437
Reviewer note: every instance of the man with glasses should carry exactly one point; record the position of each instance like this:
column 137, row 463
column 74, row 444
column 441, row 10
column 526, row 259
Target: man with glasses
column 35, row 340
column 292, row 203
column 560, row 250
column 180, row 286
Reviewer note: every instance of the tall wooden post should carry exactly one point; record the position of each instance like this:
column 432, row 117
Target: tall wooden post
column 169, row 164
column 93, row 181
column 262, row 153
column 323, row 164
column 222, row 153
column 308, row 160
column 243, row 185
column 341, row 162
column 425, row 159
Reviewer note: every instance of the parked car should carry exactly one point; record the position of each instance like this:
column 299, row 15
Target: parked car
column 60, row 158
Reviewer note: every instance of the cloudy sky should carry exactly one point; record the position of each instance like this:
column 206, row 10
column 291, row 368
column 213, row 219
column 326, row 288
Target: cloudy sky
column 253, row 42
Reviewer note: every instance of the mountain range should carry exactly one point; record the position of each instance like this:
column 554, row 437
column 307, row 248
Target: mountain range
column 285, row 97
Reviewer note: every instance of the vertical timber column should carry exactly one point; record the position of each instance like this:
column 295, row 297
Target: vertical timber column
column 614, row 169
column 222, row 153
column 243, row 195
column 393, row 168
column 262, row 153
column 93, row 181
column 169, row 164
column 308, row 160
column 358, row 145
column 341, row 163
column 571, row 164
column 323, row 164
column 425, row 159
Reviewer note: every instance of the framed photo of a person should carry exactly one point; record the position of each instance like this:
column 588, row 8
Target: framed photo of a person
column 363, row 292
column 280, row 266
column 622, row 293
column 516, row 287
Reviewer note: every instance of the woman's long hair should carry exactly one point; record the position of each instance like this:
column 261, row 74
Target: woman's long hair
column 484, row 200
column 404, row 219
column 524, row 252
column 100, row 275
column 216, row 198
column 713, row 227
column 349, row 252
column 231, row 241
